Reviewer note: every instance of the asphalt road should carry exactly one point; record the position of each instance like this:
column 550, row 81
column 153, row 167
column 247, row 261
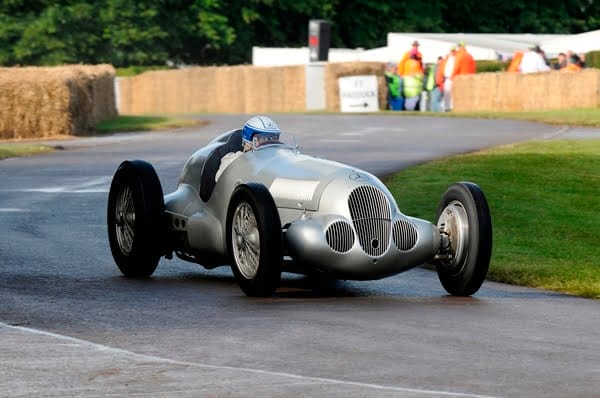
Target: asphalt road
column 70, row 325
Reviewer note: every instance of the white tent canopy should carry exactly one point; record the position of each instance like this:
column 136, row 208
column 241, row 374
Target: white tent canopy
column 581, row 43
column 483, row 46
column 492, row 46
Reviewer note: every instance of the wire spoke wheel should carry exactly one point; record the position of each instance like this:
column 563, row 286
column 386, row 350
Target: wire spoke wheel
column 254, row 239
column 125, row 220
column 135, row 218
column 246, row 240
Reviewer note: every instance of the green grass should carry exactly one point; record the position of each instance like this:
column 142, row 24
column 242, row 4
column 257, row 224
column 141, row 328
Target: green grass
column 545, row 205
column 589, row 117
column 573, row 117
column 144, row 123
column 11, row 150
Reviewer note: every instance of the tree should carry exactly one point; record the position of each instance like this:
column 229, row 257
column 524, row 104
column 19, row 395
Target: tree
column 122, row 32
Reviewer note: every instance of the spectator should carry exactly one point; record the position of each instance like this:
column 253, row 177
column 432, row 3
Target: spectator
column 569, row 54
column 573, row 64
column 394, row 83
column 561, row 62
column 435, row 94
column 413, row 82
column 533, row 61
column 543, row 55
column 413, row 51
column 515, row 63
column 581, row 60
column 464, row 63
column 447, row 70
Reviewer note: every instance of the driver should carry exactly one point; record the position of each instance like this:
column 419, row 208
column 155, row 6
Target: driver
column 257, row 132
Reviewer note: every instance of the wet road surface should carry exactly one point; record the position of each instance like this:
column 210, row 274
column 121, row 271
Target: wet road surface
column 71, row 325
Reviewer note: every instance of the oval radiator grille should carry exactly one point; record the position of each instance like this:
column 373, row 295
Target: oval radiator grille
column 370, row 212
column 340, row 236
column 405, row 235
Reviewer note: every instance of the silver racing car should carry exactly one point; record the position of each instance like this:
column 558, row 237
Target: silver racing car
column 250, row 201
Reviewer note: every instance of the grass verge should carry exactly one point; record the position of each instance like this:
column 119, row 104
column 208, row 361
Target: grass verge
column 144, row 123
column 572, row 117
column 544, row 202
column 589, row 117
column 12, row 150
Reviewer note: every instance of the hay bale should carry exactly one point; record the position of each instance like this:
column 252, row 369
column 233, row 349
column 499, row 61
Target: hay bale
column 41, row 102
column 275, row 89
column 517, row 92
column 202, row 88
column 294, row 87
column 333, row 71
column 226, row 89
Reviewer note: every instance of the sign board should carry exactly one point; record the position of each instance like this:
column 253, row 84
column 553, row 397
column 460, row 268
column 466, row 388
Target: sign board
column 359, row 93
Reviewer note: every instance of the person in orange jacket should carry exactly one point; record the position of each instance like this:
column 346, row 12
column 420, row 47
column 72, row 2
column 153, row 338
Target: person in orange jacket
column 572, row 64
column 464, row 63
column 439, row 77
column 413, row 51
column 515, row 63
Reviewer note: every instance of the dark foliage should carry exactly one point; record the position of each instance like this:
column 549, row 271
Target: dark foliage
column 121, row 32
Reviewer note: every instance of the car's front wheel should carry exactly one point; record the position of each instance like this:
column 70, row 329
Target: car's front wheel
column 135, row 218
column 464, row 221
column 254, row 240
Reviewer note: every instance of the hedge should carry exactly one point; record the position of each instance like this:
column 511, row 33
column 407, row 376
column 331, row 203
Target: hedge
column 592, row 59
column 491, row 66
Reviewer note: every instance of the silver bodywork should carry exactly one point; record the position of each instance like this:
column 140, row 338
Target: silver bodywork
column 335, row 218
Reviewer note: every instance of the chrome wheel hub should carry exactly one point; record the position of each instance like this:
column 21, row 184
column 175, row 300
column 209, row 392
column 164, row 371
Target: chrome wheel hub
column 453, row 223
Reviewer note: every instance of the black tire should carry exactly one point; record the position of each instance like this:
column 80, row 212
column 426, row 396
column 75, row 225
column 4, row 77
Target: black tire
column 464, row 205
column 257, row 272
column 135, row 218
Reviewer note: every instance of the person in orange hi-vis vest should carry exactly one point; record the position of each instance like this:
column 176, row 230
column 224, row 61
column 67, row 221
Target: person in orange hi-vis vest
column 414, row 50
column 413, row 82
column 464, row 63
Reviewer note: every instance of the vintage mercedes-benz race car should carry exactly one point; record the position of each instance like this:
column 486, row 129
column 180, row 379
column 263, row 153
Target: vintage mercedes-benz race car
column 274, row 209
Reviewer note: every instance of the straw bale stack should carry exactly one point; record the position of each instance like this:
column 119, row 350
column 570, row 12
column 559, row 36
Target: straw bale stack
column 517, row 92
column 47, row 101
column 333, row 71
column 227, row 89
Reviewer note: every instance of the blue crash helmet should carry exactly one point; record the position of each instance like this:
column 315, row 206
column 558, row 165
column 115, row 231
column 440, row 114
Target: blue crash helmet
column 260, row 130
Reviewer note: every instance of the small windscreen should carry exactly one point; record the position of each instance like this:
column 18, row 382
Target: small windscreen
column 265, row 139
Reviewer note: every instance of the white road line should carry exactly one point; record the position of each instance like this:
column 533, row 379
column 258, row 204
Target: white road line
column 340, row 140
column 95, row 182
column 59, row 190
column 153, row 358
column 556, row 133
column 12, row 210
column 372, row 130
column 97, row 185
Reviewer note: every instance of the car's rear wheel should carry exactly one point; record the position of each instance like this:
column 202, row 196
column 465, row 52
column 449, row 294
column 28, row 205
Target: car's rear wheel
column 135, row 218
column 254, row 240
column 463, row 218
